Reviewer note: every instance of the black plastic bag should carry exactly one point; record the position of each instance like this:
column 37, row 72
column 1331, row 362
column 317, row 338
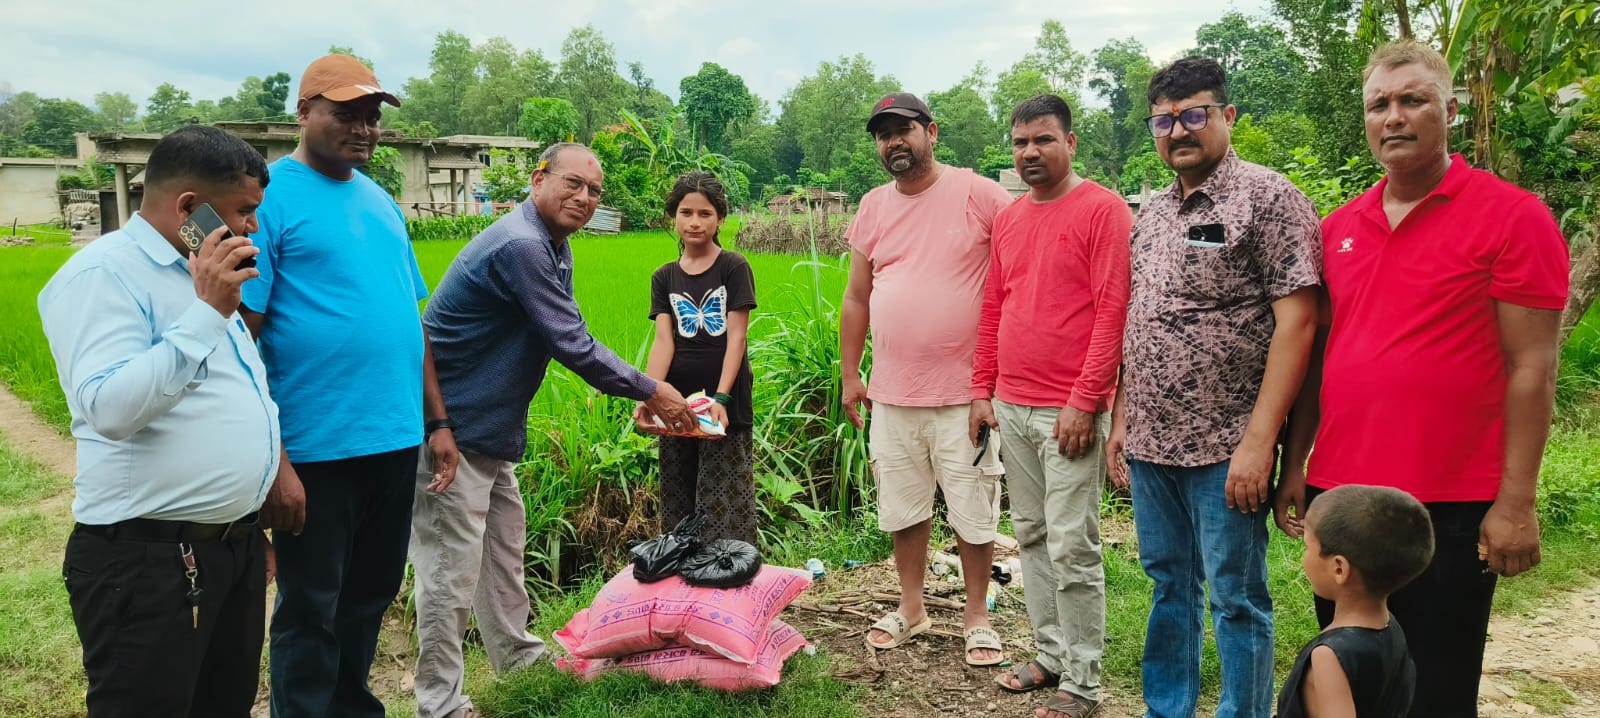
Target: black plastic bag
column 658, row 558
column 724, row 563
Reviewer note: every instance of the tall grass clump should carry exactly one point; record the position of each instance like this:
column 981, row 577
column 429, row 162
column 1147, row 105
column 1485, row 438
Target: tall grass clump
column 26, row 365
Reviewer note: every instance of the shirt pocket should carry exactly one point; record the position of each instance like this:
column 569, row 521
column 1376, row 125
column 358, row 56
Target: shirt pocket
column 1215, row 273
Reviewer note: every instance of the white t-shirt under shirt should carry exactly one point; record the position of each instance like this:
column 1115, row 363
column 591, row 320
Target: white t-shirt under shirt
column 929, row 254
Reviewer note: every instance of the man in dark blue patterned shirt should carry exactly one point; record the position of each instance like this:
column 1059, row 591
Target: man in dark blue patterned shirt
column 503, row 310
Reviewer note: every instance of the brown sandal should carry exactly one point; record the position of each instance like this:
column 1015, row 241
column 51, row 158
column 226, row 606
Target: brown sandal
column 1071, row 706
column 1025, row 678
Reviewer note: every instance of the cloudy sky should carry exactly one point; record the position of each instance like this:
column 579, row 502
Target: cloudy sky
column 76, row 49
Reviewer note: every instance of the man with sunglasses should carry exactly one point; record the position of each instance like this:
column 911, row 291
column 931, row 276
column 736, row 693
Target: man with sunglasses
column 1221, row 314
column 503, row 310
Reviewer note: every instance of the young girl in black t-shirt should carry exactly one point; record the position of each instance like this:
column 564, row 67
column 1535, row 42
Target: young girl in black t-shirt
column 701, row 306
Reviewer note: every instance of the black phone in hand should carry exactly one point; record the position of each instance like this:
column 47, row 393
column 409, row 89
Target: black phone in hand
column 201, row 223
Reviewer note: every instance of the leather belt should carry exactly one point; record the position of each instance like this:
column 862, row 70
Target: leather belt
column 179, row 531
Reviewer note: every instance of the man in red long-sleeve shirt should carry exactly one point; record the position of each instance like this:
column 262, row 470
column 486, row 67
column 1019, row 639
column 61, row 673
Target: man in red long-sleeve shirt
column 1049, row 344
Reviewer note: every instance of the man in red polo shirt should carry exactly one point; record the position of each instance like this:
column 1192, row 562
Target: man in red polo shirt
column 1445, row 288
column 1049, row 344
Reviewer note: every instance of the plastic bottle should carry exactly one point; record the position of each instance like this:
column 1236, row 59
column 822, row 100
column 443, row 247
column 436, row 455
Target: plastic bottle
column 852, row 563
column 816, row 567
column 988, row 598
column 944, row 563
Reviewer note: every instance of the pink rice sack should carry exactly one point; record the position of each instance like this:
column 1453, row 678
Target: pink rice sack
column 712, row 671
column 628, row 617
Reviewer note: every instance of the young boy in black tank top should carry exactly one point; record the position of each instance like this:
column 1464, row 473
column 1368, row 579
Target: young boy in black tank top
column 1362, row 544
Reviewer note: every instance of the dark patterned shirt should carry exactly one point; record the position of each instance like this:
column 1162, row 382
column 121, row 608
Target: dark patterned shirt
column 1206, row 270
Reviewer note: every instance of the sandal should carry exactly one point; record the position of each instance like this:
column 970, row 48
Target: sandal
column 1025, row 679
column 984, row 637
column 899, row 630
column 1071, row 706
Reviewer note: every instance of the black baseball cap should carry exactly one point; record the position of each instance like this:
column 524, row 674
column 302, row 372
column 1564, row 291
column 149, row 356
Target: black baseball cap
column 903, row 104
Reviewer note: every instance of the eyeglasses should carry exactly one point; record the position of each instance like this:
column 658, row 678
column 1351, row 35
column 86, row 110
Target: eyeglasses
column 1193, row 119
column 573, row 183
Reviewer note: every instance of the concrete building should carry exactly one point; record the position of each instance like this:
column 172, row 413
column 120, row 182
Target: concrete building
column 28, row 189
column 439, row 172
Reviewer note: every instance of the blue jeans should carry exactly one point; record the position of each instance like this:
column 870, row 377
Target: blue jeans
column 1188, row 535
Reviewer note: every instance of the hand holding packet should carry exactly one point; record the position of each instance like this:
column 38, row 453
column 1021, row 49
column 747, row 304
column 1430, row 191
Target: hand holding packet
column 705, row 426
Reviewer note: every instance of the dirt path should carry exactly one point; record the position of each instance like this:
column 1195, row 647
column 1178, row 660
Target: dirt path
column 1546, row 665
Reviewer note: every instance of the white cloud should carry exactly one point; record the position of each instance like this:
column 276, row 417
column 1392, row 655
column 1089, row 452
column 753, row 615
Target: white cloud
column 113, row 46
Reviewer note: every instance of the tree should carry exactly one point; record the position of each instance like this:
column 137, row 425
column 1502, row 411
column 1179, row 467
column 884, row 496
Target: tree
column 1015, row 85
column 823, row 110
column 588, row 77
column 1054, row 57
column 341, row 50
column 758, row 149
column 55, row 123
column 1145, row 165
column 167, row 108
column 1272, row 141
column 506, row 77
column 965, row 125
column 15, row 112
column 1265, row 74
column 1331, row 90
column 643, row 98
column 1122, row 78
column 258, row 99
column 548, row 119
column 117, row 111
column 712, row 99
column 441, row 97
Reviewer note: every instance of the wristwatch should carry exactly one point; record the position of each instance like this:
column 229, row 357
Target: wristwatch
column 432, row 425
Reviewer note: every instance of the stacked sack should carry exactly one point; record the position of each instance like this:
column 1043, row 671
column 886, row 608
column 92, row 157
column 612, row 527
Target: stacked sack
column 706, row 613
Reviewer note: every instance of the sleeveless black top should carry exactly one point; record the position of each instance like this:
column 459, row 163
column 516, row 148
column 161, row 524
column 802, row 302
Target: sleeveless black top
column 1381, row 674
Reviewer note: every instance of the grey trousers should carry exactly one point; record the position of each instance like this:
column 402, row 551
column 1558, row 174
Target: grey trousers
column 1055, row 510
column 467, row 546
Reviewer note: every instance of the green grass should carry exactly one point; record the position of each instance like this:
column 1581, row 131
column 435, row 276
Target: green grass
column 25, row 362
column 42, row 234
column 41, row 673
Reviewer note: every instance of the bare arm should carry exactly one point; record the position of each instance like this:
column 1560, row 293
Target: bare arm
column 1326, row 692
column 1529, row 339
column 441, row 442
column 854, row 317
column 253, row 321
column 661, row 349
column 1250, row 470
column 1289, row 503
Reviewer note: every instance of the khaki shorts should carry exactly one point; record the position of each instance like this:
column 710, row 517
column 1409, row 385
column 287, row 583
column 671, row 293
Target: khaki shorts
column 914, row 449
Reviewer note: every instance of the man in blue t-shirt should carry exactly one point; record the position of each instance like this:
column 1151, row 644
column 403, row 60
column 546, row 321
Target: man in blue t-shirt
column 335, row 310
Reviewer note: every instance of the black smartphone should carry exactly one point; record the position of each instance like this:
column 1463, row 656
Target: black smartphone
column 201, row 223
column 983, row 442
column 1206, row 235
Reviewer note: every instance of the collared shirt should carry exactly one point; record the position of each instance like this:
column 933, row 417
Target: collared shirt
column 503, row 310
column 1414, row 380
column 169, row 398
column 1206, row 270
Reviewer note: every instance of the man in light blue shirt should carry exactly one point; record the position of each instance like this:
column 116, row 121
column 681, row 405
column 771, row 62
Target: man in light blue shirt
column 336, row 311
column 178, row 442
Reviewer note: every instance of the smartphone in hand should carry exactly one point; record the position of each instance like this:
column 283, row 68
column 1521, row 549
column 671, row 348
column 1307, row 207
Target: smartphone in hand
column 201, row 223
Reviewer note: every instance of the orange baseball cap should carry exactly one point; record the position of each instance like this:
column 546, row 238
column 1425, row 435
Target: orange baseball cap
column 342, row 78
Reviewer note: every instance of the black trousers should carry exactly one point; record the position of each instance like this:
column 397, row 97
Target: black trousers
column 336, row 579
column 1444, row 612
column 142, row 649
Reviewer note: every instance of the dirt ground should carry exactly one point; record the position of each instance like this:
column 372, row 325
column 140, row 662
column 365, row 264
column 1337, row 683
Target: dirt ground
column 1547, row 664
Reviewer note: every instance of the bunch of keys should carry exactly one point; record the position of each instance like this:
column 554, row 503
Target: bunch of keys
column 191, row 571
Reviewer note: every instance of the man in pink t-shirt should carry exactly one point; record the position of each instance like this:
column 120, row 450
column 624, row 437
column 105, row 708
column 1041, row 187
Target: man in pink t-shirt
column 919, row 254
column 1445, row 287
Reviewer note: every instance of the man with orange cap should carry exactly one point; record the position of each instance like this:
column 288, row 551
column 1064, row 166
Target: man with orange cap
column 335, row 310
